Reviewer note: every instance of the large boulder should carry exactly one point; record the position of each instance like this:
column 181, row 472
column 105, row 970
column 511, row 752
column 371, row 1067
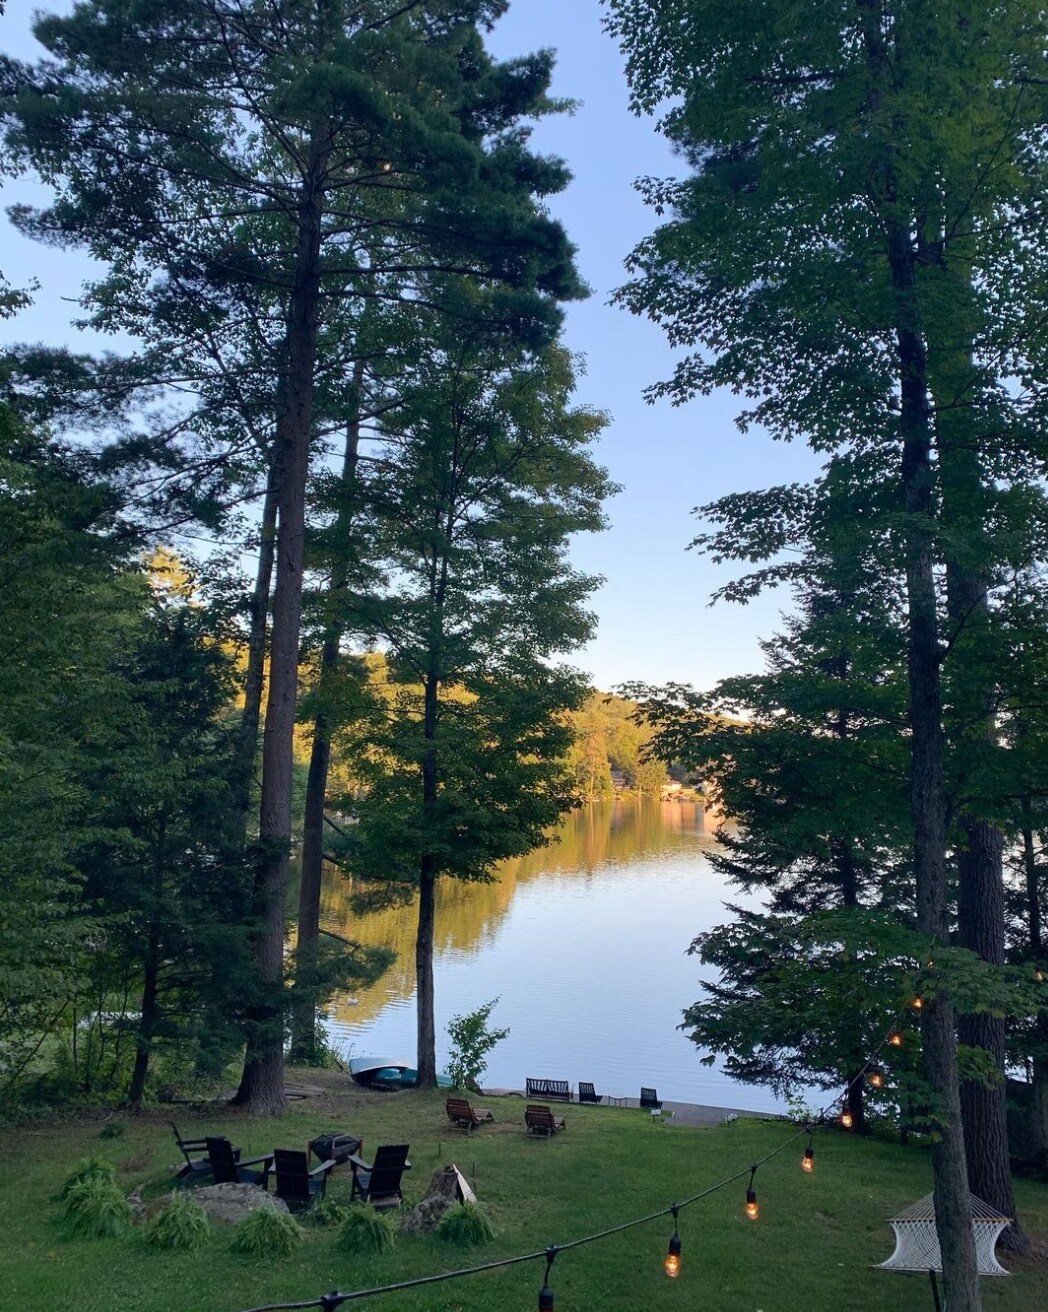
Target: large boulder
column 232, row 1202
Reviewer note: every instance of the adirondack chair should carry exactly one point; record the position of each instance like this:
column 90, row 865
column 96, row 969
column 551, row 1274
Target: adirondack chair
column 379, row 1183
column 650, row 1099
column 226, row 1167
column 297, row 1185
column 540, row 1120
column 586, row 1093
column 462, row 1113
column 195, row 1170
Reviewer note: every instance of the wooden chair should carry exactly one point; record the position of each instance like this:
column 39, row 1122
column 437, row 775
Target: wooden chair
column 650, row 1099
column 195, row 1170
column 462, row 1113
column 297, row 1185
column 587, row 1094
column 540, row 1120
column 379, row 1183
column 227, row 1168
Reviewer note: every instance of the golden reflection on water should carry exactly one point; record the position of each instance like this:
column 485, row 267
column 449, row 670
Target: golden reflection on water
column 468, row 915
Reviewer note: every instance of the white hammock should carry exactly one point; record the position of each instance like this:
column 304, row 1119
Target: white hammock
column 917, row 1244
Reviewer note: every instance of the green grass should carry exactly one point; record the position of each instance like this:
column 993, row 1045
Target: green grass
column 810, row 1252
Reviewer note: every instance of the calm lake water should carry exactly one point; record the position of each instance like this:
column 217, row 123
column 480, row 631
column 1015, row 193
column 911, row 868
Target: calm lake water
column 585, row 945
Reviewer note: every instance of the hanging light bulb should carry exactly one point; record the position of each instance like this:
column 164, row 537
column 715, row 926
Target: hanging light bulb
column 808, row 1160
column 672, row 1263
column 1038, row 975
column 847, row 1119
column 895, row 1039
column 876, row 1077
column 752, row 1210
column 545, row 1293
column 917, row 1003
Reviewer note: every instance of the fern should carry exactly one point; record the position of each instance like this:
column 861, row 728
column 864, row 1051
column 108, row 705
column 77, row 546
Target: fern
column 366, row 1231
column 88, row 1168
column 327, row 1212
column 97, row 1209
column 465, row 1225
column 180, row 1224
column 265, row 1232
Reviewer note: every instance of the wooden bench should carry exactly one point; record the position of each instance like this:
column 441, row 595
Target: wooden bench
column 540, row 1120
column 548, row 1089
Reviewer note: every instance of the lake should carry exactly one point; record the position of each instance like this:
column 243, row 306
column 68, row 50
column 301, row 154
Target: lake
column 584, row 942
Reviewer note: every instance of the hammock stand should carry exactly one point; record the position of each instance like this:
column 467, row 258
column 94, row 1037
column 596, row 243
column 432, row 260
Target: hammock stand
column 917, row 1244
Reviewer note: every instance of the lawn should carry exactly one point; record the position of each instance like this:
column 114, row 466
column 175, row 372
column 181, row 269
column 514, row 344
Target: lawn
column 811, row 1250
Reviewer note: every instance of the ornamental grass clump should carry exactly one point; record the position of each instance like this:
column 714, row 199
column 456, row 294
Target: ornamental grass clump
column 366, row 1231
column 96, row 1208
column 181, row 1224
column 88, row 1168
column 265, row 1232
column 465, row 1225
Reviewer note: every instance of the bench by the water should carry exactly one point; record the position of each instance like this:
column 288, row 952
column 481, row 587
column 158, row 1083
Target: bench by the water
column 548, row 1089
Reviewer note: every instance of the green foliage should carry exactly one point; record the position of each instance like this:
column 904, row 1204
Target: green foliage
column 96, row 1208
column 366, row 1231
column 465, row 1225
column 265, row 1232
column 471, row 1041
column 180, row 1224
column 113, row 1130
column 328, row 1213
column 89, row 1168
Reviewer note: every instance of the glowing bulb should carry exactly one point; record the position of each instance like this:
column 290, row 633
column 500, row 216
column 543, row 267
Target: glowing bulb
column 1039, row 976
column 876, row 1079
column 752, row 1210
column 808, row 1161
column 847, row 1119
column 917, row 1003
column 895, row 1039
column 672, row 1262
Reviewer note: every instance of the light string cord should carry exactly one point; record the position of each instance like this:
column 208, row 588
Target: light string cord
column 329, row 1302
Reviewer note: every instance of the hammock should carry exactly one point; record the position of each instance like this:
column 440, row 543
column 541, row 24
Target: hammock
column 917, row 1244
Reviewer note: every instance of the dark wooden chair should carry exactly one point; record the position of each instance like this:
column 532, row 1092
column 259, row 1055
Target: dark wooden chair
column 297, row 1185
column 195, row 1170
column 547, row 1089
column 462, row 1113
column 227, row 1168
column 650, row 1099
column 586, row 1093
column 379, row 1183
column 540, row 1120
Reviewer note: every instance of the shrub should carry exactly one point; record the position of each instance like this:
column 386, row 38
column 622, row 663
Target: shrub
column 97, row 1209
column 112, row 1130
column 181, row 1224
column 471, row 1041
column 366, row 1231
column 265, row 1232
column 89, row 1168
column 465, row 1225
column 328, row 1212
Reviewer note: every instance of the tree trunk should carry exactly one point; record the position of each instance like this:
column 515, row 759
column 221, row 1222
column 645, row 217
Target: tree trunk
column 304, row 1029
column 928, row 795
column 427, row 1037
column 1039, row 1094
column 254, row 678
column 147, row 1021
column 262, row 1083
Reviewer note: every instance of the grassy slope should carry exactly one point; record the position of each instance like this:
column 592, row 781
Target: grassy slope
column 811, row 1251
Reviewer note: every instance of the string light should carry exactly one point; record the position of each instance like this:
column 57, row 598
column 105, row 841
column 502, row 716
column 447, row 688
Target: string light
column 808, row 1160
column 917, row 1003
column 672, row 1262
column 752, row 1210
column 895, row 1039
column 545, row 1293
column 846, row 1118
column 876, row 1077
column 1038, row 975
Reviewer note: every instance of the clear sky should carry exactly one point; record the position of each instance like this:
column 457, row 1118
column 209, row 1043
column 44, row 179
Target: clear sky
column 655, row 623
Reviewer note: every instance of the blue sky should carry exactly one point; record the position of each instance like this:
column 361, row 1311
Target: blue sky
column 655, row 623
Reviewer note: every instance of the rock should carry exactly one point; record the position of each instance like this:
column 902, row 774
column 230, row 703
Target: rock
column 448, row 1187
column 232, row 1202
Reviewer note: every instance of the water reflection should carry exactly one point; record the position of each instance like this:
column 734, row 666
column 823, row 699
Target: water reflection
column 585, row 943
